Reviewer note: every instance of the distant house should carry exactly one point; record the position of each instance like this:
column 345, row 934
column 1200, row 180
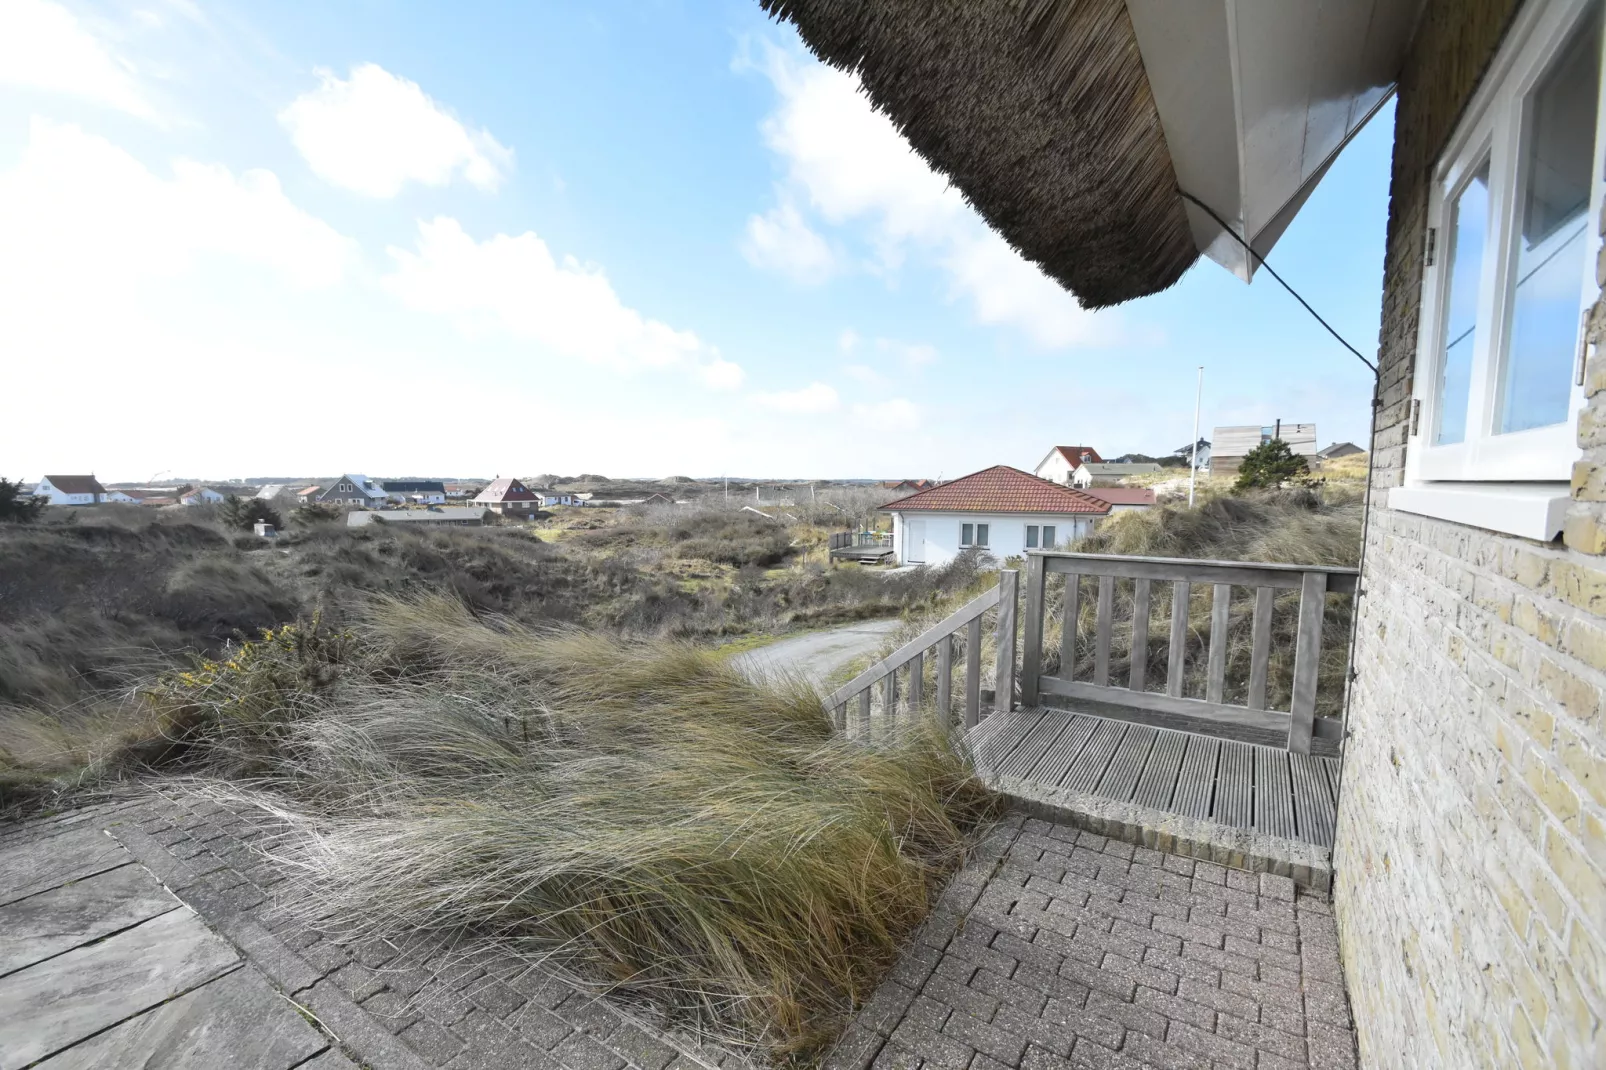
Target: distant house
column 1085, row 474
column 451, row 516
column 115, row 495
column 908, row 485
column 194, row 494
column 1002, row 510
column 152, row 496
column 510, row 498
column 657, row 498
column 70, row 490
column 352, row 489
column 1186, row 453
column 308, row 494
column 273, row 492
column 1063, row 461
column 1123, row 499
column 1232, row 444
column 555, row 497
column 424, row 491
column 1337, row 450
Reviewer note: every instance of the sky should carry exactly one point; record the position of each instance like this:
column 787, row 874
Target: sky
column 630, row 237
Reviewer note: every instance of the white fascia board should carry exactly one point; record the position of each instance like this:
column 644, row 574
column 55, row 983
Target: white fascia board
column 1532, row 510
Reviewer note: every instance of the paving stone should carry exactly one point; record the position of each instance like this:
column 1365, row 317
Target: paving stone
column 44, row 925
column 393, row 1010
column 1005, row 1046
column 1261, row 1037
column 357, row 981
column 1130, row 1015
column 1326, row 1002
column 1162, row 1056
column 884, row 1010
column 856, row 1049
column 933, row 1048
column 894, row 1056
column 1223, row 1051
column 1331, row 1048
column 432, row 1040
column 642, row 1049
column 496, row 997
column 580, row 1052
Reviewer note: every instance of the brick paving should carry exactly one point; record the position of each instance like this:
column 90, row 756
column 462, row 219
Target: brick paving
column 1056, row 948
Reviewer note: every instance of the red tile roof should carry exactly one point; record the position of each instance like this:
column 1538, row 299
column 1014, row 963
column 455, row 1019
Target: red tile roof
column 1000, row 489
column 1122, row 495
column 506, row 490
column 1074, row 454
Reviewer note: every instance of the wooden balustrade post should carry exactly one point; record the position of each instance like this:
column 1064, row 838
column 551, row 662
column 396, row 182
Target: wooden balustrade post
column 1008, row 594
column 945, row 681
column 1031, row 661
column 973, row 673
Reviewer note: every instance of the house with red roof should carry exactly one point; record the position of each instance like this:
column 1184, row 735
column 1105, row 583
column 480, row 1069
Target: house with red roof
column 1063, row 461
column 510, row 497
column 1002, row 510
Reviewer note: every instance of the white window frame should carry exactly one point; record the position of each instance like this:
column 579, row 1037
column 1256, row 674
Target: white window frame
column 983, row 534
column 1514, row 482
column 1032, row 531
column 965, row 540
column 1046, row 541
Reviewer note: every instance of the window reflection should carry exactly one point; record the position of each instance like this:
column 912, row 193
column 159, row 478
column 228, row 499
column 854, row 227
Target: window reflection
column 1468, row 230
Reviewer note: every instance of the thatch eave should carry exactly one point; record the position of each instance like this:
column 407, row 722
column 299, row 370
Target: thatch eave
column 1039, row 112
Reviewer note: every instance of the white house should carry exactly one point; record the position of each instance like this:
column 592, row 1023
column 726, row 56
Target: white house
column 114, row 495
column 1063, row 461
column 1001, row 510
column 1187, row 454
column 1085, row 474
column 71, row 490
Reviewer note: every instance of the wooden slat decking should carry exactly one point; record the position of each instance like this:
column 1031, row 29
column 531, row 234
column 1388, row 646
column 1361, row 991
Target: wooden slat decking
column 1239, row 785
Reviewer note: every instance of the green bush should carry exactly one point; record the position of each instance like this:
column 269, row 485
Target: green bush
column 1270, row 464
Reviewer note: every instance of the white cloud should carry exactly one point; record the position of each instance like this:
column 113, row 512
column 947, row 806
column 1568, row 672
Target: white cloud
column 850, row 164
column 848, row 340
column 865, row 374
column 894, row 414
column 376, row 132
column 78, row 212
column 721, row 374
column 43, row 46
column 516, row 285
column 814, row 398
column 781, row 241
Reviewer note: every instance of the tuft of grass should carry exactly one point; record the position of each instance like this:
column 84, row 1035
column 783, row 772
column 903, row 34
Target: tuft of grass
column 638, row 808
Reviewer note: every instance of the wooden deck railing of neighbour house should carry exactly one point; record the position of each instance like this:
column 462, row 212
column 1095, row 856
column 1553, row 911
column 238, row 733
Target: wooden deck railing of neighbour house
column 909, row 660
column 1299, row 726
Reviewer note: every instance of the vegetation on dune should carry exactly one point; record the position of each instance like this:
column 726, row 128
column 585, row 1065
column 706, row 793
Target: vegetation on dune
column 17, row 507
column 1270, row 464
column 638, row 808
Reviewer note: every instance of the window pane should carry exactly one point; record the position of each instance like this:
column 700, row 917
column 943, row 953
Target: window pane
column 1468, row 230
column 965, row 534
column 1031, row 536
column 981, row 534
column 1048, row 537
column 1558, row 149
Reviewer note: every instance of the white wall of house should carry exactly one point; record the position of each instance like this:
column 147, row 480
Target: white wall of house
column 119, row 496
column 934, row 538
column 47, row 489
column 1055, row 467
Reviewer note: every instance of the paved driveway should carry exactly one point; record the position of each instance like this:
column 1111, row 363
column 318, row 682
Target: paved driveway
column 816, row 655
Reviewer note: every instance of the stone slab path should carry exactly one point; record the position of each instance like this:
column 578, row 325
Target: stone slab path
column 1060, row 949
column 101, row 966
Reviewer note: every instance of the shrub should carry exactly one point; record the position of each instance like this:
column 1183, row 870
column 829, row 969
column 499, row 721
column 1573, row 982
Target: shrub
column 1270, row 464
column 247, row 512
column 17, row 507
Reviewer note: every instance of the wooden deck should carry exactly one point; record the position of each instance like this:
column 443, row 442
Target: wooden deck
column 1239, row 785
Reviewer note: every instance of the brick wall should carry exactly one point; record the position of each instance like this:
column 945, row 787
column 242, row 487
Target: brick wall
column 1471, row 855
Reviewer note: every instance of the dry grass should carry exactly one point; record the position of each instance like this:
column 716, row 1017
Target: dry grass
column 637, row 808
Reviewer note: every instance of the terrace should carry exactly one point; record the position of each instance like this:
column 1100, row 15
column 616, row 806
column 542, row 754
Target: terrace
column 1218, row 741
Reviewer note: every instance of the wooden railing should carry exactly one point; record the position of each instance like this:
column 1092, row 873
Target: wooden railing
column 910, row 661
column 1298, row 725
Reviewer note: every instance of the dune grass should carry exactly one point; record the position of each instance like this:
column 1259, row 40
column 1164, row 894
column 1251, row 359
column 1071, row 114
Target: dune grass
column 660, row 823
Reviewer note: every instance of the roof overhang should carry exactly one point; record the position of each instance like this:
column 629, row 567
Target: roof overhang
column 1257, row 97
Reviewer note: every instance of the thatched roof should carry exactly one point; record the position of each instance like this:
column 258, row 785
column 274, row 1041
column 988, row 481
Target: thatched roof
column 1039, row 112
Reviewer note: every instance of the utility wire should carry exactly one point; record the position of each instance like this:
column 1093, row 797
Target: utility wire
column 1262, row 260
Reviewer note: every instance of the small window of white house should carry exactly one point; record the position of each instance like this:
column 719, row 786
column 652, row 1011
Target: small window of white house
column 1031, row 536
column 967, row 534
column 981, row 534
column 1510, row 278
column 1048, row 536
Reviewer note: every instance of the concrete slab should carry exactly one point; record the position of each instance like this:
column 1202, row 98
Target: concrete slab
column 54, row 1004
column 44, row 925
column 38, row 865
column 237, row 1021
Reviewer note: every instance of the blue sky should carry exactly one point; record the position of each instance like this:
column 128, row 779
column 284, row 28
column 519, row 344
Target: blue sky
column 618, row 236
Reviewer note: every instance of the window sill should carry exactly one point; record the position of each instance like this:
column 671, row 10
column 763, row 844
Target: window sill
column 1531, row 510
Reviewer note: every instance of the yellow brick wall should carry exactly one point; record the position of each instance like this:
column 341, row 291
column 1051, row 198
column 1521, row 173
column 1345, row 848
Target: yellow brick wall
column 1471, row 857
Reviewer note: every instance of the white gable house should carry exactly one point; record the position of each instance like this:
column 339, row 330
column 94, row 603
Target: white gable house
column 71, row 490
column 1001, row 510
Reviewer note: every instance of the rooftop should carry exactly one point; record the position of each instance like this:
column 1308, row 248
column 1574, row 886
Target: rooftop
column 1000, row 489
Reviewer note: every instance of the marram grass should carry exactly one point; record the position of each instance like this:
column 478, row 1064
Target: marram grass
column 640, row 808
